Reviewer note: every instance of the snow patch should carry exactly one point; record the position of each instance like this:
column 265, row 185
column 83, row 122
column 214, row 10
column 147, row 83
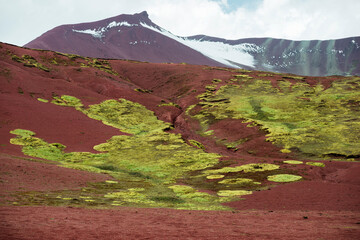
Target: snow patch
column 141, row 41
column 93, row 32
column 119, row 24
column 221, row 52
column 357, row 45
column 99, row 32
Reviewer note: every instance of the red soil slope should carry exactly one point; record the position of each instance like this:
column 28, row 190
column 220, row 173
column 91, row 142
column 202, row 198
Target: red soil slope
column 325, row 206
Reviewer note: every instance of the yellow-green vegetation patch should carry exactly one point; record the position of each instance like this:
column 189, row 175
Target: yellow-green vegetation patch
column 22, row 132
column 293, row 77
column 285, row 150
column 132, row 195
column 196, row 200
column 196, row 144
column 252, row 167
column 241, row 71
column 317, row 164
column 29, row 61
column 232, row 145
column 71, row 56
column 36, row 147
column 217, row 68
column 293, row 162
column 208, row 133
column 158, row 155
column 232, row 193
column 215, row 176
column 310, row 119
column 264, row 75
column 170, row 104
column 149, row 156
column 85, row 197
column 129, row 117
column 241, row 181
column 66, row 100
column 142, row 90
column 83, row 65
column 102, row 65
column 43, row 100
column 210, row 87
column 147, row 164
column 284, row 178
column 67, row 198
column 111, row 181
column 154, row 160
column 243, row 76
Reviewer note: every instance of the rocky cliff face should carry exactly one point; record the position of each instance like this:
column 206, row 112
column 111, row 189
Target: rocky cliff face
column 136, row 37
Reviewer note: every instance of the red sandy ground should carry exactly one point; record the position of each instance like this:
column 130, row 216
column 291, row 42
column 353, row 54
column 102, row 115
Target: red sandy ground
column 125, row 223
column 324, row 206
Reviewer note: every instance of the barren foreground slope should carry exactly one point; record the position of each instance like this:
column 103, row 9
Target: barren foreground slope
column 114, row 149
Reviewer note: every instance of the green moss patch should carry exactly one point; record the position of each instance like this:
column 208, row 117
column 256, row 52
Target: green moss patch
column 252, row 167
column 243, row 76
column 293, row 77
column 127, row 116
column 196, row 200
column 284, row 178
column 293, row 162
column 216, row 176
column 161, row 156
column 43, row 100
column 102, row 65
column 196, row 144
column 232, row 193
column 36, row 147
column 22, row 132
column 148, row 164
column 316, row 164
column 238, row 181
column 30, row 61
column 150, row 156
column 170, row 104
column 297, row 116
column 66, row 100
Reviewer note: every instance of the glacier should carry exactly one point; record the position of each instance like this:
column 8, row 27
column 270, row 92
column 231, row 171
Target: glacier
column 221, row 52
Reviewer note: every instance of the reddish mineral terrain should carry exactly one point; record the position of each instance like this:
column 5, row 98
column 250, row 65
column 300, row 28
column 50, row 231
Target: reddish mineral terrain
column 325, row 205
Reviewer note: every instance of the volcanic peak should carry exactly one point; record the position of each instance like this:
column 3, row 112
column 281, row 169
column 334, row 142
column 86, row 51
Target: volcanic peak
column 100, row 28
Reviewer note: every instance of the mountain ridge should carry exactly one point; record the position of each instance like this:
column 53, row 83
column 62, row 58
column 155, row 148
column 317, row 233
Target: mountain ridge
column 136, row 37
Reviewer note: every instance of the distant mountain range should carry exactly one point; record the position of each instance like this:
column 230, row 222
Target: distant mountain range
column 136, row 37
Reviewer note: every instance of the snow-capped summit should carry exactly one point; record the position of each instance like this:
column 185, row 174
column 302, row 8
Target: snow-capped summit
column 136, row 37
column 101, row 28
column 133, row 37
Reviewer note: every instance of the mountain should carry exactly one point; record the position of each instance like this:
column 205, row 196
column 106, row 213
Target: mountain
column 87, row 142
column 136, row 37
column 311, row 58
column 133, row 37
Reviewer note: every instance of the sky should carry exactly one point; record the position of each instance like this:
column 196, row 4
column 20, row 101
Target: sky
column 23, row 20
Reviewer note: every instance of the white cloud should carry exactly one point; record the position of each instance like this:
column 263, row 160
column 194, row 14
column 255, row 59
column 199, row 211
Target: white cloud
column 23, row 20
column 290, row 19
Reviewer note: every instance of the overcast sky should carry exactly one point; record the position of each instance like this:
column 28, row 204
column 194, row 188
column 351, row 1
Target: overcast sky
column 23, row 20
